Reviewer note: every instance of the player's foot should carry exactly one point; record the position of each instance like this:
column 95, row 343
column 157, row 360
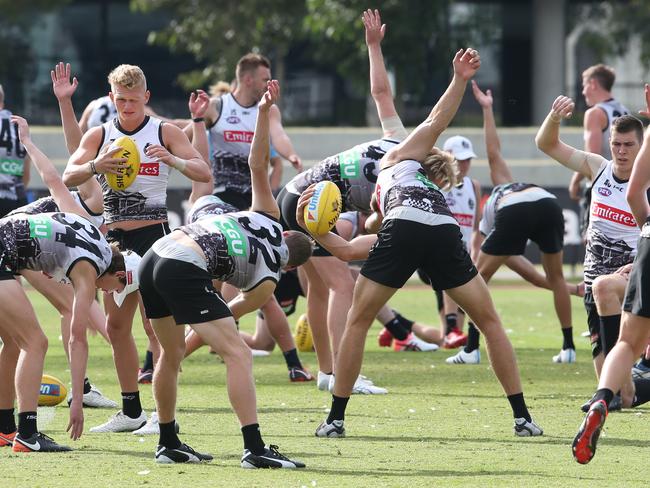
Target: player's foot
column 94, row 399
column 586, row 333
column 260, row 353
column 615, row 405
column 7, row 439
column 462, row 357
column 37, row 443
column 362, row 386
column 152, row 426
column 413, row 343
column 455, row 339
column 565, row 356
column 524, row 428
column 323, row 381
column 183, row 454
column 584, row 444
column 272, row 458
column 121, row 423
column 640, row 371
column 145, row 376
column 335, row 429
column 300, row 375
column 385, row 338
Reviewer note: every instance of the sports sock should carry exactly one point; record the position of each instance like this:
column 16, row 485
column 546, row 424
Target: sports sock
column 131, row 406
column 7, row 421
column 148, row 361
column 473, row 336
column 291, row 358
column 404, row 322
column 337, row 411
column 27, row 424
column 610, row 325
column 642, row 392
column 253, row 438
column 395, row 328
column 603, row 394
column 567, row 335
column 518, row 405
column 645, row 361
column 451, row 322
column 168, row 436
column 86, row 385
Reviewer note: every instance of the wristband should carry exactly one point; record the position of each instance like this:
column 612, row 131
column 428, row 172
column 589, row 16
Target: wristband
column 179, row 164
column 198, row 119
column 92, row 166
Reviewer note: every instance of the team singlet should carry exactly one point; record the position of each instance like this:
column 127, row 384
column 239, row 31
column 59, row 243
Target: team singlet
column 462, row 203
column 403, row 191
column 208, row 205
column 103, row 111
column 241, row 248
column 230, row 144
column 146, row 198
column 52, row 243
column 12, row 159
column 353, row 171
column 613, row 109
column 48, row 205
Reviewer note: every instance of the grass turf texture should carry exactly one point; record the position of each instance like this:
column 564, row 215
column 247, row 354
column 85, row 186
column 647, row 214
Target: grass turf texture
column 439, row 425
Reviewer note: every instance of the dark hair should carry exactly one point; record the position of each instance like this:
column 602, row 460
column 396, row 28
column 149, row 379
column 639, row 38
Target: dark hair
column 628, row 123
column 300, row 248
column 603, row 74
column 117, row 262
column 250, row 62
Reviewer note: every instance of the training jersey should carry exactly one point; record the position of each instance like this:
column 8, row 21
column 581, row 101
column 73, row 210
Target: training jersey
column 403, row 191
column 505, row 195
column 354, row 172
column 612, row 233
column 146, row 198
column 353, row 218
column 208, row 205
column 241, row 248
column 462, row 201
column 230, row 140
column 52, row 243
column 613, row 109
column 103, row 111
column 12, row 159
column 48, row 205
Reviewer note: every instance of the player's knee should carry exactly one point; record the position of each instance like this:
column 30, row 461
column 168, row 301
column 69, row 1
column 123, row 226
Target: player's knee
column 602, row 288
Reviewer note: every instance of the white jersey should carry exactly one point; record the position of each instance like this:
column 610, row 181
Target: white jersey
column 403, row 191
column 146, row 198
column 208, row 205
column 241, row 248
column 12, row 159
column 48, row 205
column 103, row 111
column 353, row 218
column 52, row 243
column 230, row 145
column 613, row 109
column 462, row 201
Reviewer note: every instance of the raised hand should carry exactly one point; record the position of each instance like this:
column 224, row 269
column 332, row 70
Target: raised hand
column 485, row 100
column 61, row 84
column 466, row 63
column 562, row 108
column 270, row 96
column 199, row 103
column 23, row 128
column 646, row 112
column 375, row 30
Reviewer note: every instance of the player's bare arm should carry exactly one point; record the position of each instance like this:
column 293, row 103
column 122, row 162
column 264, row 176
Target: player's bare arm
column 179, row 154
column 63, row 90
column 252, row 300
column 85, row 163
column 281, row 140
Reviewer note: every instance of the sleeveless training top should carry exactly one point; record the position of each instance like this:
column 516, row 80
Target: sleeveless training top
column 103, row 111
column 403, row 191
column 613, row 109
column 208, row 205
column 48, row 205
column 353, row 171
column 12, row 159
column 462, row 201
column 241, row 248
column 52, row 243
column 146, row 198
column 230, row 145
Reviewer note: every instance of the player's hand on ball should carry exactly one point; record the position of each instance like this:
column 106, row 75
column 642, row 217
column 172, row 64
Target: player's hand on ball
column 107, row 163
column 303, row 201
column 270, row 96
column 199, row 103
column 562, row 108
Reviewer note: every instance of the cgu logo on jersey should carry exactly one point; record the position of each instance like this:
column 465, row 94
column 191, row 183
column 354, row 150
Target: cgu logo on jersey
column 349, row 164
column 465, row 220
column 12, row 167
column 612, row 214
column 235, row 239
column 149, row 169
column 238, row 136
column 604, row 191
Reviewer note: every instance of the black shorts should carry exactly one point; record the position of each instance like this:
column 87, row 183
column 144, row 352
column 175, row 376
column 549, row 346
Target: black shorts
column 180, row 289
column 138, row 240
column 593, row 322
column 288, row 291
column 7, row 205
column 403, row 246
column 242, row 201
column 637, row 294
column 540, row 221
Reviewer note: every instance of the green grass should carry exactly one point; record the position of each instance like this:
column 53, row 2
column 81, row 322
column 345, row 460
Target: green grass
column 440, row 425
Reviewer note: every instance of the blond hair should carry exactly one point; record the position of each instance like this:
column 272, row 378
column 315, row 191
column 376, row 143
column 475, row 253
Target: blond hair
column 219, row 88
column 441, row 168
column 127, row 76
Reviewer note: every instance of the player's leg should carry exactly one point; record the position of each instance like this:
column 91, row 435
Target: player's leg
column 552, row 263
column 9, row 353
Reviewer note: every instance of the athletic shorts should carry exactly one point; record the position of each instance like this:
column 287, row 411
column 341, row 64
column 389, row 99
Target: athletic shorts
column 288, row 291
column 637, row 294
column 7, row 205
column 540, row 221
column 180, row 289
column 403, row 246
column 593, row 322
column 242, row 201
column 138, row 240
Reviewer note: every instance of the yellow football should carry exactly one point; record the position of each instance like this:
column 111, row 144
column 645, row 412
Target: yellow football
column 126, row 175
column 303, row 338
column 53, row 391
column 324, row 208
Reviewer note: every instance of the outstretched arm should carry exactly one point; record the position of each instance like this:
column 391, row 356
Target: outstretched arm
column 198, row 105
column 640, row 182
column 63, row 90
column 281, row 140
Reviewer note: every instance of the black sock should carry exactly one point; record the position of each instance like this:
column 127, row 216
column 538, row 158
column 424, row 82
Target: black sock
column 395, row 328
column 168, row 436
column 27, row 424
column 403, row 321
column 642, row 391
column 451, row 322
column 131, row 406
column 473, row 336
column 7, row 421
column 567, row 335
column 610, row 326
column 645, row 361
column 148, row 361
column 253, row 439
column 518, row 405
column 603, row 394
column 291, row 358
column 338, row 409
column 86, row 385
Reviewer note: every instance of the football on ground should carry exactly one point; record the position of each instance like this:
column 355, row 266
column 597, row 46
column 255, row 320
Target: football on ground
column 126, row 175
column 53, row 391
column 323, row 209
column 302, row 337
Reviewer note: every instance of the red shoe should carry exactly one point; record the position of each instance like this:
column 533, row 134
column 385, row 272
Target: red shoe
column 584, row 444
column 7, row 439
column 455, row 339
column 299, row 375
column 385, row 338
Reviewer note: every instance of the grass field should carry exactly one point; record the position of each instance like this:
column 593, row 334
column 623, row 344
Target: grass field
column 440, row 425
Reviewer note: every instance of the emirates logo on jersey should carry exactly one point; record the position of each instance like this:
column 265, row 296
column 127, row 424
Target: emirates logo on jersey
column 149, row 169
column 464, row 220
column 238, row 136
column 612, row 214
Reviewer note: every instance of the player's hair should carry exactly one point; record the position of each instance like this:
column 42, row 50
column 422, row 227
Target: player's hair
column 219, row 88
column 127, row 76
column 628, row 123
column 441, row 168
column 117, row 262
column 2, row 95
column 300, row 248
column 250, row 62
column 603, row 74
